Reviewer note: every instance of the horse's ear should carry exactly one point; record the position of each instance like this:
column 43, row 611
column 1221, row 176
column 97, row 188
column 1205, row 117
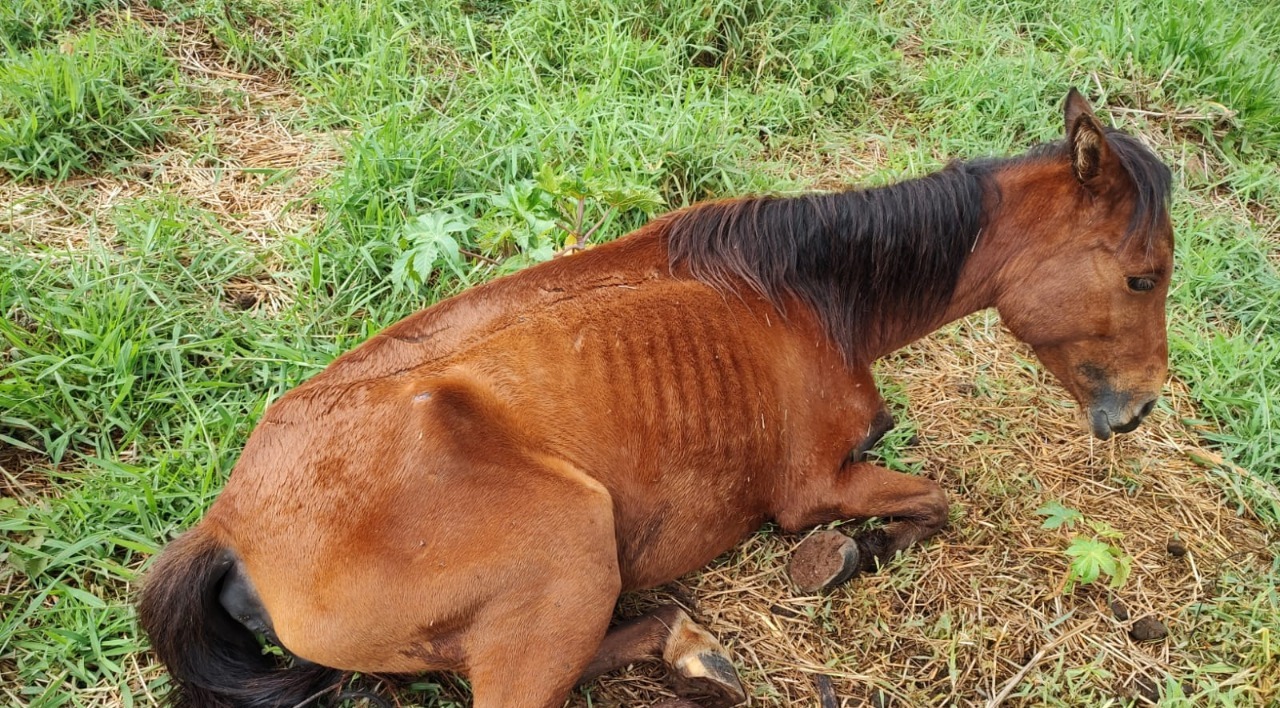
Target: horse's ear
column 1089, row 149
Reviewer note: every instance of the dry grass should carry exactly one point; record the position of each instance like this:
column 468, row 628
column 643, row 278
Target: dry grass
column 952, row 622
column 239, row 163
column 237, row 160
column 832, row 165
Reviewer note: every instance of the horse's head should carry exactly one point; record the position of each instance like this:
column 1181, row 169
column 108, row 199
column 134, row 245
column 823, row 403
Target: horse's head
column 1087, row 286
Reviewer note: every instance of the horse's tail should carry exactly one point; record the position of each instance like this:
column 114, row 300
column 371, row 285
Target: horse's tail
column 214, row 660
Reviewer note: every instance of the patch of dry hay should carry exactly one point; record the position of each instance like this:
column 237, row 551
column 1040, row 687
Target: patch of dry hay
column 955, row 621
column 825, row 166
column 240, row 162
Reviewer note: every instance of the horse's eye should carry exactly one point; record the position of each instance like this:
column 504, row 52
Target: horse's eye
column 1141, row 285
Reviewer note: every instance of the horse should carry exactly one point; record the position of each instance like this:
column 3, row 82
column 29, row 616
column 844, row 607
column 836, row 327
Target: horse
column 471, row 489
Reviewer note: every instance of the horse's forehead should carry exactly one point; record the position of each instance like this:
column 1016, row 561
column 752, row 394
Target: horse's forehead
column 1150, row 249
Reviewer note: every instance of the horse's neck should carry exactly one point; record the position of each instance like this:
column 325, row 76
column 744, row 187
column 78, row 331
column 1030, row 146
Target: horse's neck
column 975, row 290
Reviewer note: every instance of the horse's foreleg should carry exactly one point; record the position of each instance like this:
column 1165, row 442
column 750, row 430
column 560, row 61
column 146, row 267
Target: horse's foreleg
column 916, row 506
column 699, row 667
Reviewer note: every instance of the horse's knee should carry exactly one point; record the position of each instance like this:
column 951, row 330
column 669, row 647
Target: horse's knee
column 933, row 509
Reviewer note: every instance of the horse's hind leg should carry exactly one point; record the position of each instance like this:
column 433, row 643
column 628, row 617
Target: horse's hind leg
column 532, row 657
column 698, row 666
column 556, row 585
column 917, row 506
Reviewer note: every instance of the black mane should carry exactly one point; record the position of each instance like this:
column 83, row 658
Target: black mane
column 1151, row 178
column 889, row 255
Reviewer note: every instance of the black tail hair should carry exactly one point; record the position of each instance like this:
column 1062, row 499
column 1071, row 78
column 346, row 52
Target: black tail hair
column 214, row 661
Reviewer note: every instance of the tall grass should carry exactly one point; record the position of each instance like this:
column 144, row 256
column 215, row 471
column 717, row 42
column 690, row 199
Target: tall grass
column 25, row 23
column 97, row 98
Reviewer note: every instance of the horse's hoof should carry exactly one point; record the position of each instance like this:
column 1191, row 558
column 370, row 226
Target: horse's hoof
column 699, row 668
column 709, row 678
column 823, row 561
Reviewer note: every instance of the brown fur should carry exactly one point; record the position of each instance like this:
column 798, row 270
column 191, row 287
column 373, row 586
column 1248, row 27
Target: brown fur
column 471, row 489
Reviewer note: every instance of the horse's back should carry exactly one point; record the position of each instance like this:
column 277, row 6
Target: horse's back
column 458, row 324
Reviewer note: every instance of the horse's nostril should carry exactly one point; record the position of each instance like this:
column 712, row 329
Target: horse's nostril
column 1146, row 409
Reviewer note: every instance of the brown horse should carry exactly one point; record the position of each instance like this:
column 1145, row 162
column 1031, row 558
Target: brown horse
column 471, row 490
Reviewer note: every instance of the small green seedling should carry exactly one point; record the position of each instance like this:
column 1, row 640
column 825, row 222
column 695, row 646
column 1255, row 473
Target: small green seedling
column 1091, row 558
column 429, row 242
column 1056, row 515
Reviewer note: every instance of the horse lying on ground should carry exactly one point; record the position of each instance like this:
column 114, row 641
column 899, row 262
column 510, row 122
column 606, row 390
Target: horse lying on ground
column 471, row 489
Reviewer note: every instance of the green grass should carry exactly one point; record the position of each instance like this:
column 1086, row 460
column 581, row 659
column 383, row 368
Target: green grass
column 94, row 100
column 1225, row 335
column 129, row 377
column 25, row 23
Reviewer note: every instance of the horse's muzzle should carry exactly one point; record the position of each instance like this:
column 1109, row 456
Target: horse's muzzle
column 1115, row 413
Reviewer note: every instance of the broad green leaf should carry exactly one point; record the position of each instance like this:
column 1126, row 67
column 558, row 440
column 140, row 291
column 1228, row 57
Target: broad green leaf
column 1091, row 558
column 424, row 260
column 543, row 252
column 1104, row 529
column 400, row 270
column 1058, row 515
column 549, row 180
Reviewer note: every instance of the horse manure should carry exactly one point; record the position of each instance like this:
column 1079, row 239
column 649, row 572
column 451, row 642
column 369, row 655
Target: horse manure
column 1141, row 691
column 781, row 611
column 1148, row 629
column 1176, row 547
column 1119, row 611
column 826, row 692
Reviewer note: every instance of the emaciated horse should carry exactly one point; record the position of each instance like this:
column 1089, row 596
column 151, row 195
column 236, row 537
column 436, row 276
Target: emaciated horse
column 471, row 489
